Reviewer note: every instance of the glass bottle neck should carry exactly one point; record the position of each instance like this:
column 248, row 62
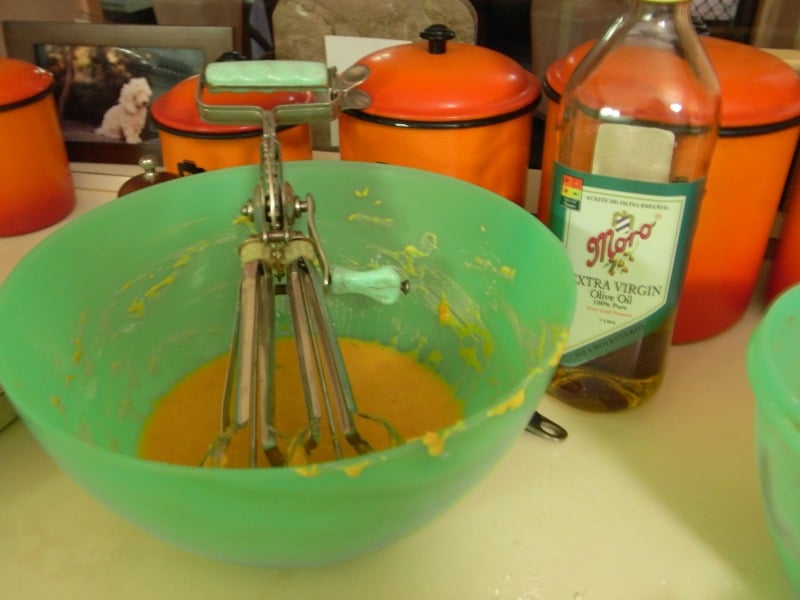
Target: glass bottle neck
column 654, row 22
column 648, row 10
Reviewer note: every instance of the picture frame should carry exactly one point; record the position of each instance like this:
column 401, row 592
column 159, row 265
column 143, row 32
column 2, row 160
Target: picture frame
column 93, row 62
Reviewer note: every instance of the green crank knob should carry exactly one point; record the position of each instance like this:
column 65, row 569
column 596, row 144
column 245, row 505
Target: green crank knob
column 383, row 284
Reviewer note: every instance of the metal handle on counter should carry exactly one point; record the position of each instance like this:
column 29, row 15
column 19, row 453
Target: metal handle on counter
column 544, row 427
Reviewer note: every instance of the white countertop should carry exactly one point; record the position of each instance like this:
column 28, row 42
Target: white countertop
column 658, row 503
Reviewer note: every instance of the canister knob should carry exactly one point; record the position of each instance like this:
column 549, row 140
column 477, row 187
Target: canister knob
column 150, row 176
column 437, row 36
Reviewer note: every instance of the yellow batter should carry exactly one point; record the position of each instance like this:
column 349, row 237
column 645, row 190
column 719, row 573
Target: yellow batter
column 386, row 383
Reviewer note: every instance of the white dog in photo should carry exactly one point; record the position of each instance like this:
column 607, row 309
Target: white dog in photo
column 125, row 120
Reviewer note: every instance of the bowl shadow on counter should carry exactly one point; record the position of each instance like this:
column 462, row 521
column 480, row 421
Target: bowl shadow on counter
column 693, row 449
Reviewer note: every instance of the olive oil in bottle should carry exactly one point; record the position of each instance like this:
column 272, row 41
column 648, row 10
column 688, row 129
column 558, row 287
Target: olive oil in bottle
column 634, row 140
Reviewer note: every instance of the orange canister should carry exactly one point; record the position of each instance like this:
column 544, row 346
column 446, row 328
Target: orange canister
column 453, row 108
column 759, row 128
column 785, row 269
column 37, row 188
column 189, row 144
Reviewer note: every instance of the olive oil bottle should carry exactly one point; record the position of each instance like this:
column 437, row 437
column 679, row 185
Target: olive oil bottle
column 634, row 140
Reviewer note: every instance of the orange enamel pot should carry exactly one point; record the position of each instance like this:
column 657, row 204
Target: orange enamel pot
column 785, row 269
column 37, row 186
column 456, row 109
column 759, row 128
column 191, row 145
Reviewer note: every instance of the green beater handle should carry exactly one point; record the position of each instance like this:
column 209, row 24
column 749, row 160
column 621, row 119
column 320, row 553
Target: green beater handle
column 383, row 284
column 266, row 75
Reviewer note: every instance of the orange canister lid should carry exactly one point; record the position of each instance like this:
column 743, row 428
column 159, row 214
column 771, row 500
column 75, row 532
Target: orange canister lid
column 21, row 83
column 758, row 90
column 176, row 109
column 441, row 80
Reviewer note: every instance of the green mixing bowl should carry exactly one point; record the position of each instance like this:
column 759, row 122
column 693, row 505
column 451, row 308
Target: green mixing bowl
column 772, row 368
column 105, row 315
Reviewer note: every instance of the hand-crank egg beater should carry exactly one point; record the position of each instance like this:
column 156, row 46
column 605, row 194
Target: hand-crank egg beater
column 283, row 258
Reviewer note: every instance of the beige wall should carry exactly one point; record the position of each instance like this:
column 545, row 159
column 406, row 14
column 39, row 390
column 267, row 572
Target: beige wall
column 48, row 10
column 777, row 24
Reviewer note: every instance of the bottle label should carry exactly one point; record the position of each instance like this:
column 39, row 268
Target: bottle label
column 629, row 244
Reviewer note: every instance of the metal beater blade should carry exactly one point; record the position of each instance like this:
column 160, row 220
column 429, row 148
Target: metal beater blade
column 324, row 376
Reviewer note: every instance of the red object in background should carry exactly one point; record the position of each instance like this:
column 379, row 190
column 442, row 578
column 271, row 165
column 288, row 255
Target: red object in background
column 785, row 271
column 37, row 188
column 759, row 128
column 189, row 143
column 447, row 107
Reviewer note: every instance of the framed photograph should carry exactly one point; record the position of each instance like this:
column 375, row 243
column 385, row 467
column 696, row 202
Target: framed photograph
column 107, row 75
